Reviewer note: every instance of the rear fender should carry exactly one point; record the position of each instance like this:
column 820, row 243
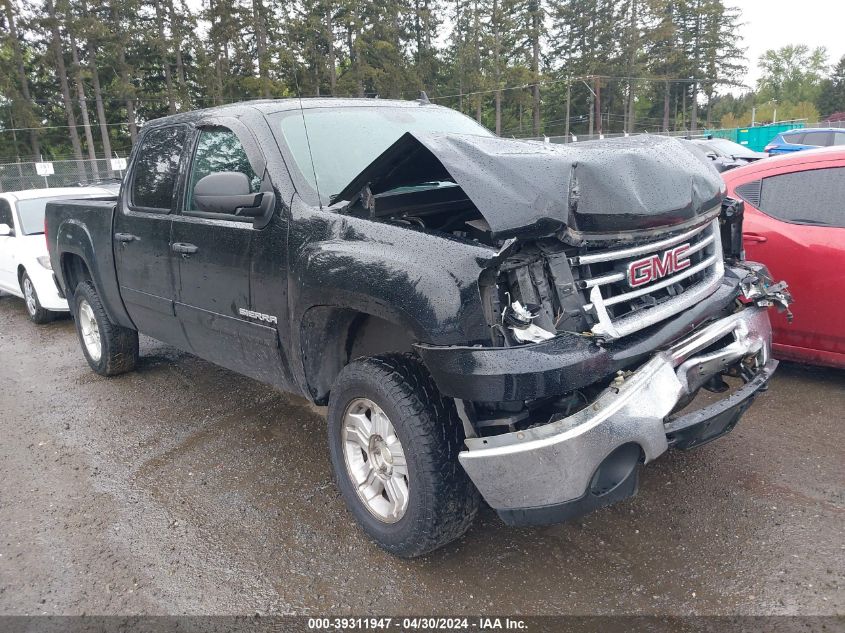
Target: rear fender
column 75, row 239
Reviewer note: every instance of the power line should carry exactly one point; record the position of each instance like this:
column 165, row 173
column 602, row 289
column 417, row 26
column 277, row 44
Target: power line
column 59, row 127
column 544, row 82
column 547, row 82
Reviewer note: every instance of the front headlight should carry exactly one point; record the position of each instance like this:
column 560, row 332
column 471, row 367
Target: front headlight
column 44, row 260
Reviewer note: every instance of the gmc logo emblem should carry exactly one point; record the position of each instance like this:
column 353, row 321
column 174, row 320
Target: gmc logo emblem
column 644, row 271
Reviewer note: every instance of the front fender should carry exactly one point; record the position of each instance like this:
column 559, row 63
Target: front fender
column 426, row 283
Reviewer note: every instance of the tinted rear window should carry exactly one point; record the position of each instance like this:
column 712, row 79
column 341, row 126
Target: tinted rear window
column 795, row 139
column 806, row 197
column 820, row 139
column 157, row 167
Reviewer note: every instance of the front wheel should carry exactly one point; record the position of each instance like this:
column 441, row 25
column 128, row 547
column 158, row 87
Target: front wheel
column 110, row 349
column 36, row 313
column 394, row 444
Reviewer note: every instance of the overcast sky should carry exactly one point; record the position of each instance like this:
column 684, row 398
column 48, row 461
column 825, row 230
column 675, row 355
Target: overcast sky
column 776, row 23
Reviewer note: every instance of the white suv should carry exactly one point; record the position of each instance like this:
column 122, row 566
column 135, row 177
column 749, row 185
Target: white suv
column 24, row 264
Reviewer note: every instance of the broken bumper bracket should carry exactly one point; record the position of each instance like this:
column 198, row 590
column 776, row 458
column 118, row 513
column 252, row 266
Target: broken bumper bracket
column 706, row 424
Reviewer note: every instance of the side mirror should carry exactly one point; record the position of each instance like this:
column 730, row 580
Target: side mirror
column 711, row 155
column 228, row 192
column 6, row 230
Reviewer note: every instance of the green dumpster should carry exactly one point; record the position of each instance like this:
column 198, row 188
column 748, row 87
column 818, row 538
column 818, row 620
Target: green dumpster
column 757, row 137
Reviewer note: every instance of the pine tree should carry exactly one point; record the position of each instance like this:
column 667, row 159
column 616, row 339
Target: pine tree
column 832, row 97
column 23, row 106
column 525, row 67
column 52, row 24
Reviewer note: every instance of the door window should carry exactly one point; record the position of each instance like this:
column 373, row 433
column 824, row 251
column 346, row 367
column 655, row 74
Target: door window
column 795, row 139
column 6, row 213
column 815, row 197
column 157, row 168
column 219, row 149
column 839, row 138
column 819, row 139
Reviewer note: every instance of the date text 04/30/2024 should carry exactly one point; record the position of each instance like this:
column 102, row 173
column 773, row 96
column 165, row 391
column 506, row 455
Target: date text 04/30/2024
column 417, row 623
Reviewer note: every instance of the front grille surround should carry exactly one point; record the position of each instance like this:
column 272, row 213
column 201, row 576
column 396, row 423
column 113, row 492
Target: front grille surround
column 619, row 310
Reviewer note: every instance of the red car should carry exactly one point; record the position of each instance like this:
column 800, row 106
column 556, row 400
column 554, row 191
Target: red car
column 795, row 225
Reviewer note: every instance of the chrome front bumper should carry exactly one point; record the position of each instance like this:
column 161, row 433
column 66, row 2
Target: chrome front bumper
column 560, row 462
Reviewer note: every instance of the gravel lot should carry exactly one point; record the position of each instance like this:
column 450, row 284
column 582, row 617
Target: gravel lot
column 185, row 488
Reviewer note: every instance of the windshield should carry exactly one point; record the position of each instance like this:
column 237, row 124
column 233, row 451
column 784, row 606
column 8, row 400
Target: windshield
column 31, row 212
column 345, row 140
column 729, row 148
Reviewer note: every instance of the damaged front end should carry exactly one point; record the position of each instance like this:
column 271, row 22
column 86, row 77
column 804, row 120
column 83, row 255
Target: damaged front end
column 558, row 428
column 614, row 292
column 592, row 374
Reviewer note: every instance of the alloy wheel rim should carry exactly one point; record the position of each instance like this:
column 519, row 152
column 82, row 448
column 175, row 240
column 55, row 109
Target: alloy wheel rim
column 29, row 296
column 375, row 460
column 90, row 331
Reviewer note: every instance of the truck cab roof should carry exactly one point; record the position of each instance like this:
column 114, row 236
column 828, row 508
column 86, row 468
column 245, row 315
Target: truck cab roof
column 272, row 106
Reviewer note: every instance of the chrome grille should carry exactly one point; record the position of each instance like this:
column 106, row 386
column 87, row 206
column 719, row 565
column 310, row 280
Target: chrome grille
column 619, row 309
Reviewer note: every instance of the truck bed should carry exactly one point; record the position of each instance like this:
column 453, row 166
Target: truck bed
column 84, row 230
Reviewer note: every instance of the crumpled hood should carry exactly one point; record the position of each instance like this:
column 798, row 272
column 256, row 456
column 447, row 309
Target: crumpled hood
column 528, row 187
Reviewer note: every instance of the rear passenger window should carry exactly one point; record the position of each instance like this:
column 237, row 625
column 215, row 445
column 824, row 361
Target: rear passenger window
column 157, row 168
column 806, row 197
column 839, row 138
column 819, row 139
column 795, row 139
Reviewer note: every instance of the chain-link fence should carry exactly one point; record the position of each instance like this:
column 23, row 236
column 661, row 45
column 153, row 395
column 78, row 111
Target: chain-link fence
column 836, row 124
column 18, row 176
column 59, row 173
column 593, row 137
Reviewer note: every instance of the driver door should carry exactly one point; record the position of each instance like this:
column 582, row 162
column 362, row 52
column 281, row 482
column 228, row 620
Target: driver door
column 214, row 260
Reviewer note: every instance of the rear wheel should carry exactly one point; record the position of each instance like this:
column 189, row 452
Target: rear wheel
column 110, row 349
column 36, row 313
column 394, row 444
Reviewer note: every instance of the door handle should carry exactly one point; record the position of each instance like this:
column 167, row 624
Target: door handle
column 754, row 238
column 184, row 248
column 125, row 237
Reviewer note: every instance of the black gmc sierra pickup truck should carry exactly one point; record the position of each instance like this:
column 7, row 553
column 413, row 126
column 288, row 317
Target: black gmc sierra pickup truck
column 485, row 317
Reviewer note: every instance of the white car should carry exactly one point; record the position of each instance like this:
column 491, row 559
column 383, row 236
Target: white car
column 25, row 269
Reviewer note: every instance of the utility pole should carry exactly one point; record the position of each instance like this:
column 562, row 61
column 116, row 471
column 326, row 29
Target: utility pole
column 568, row 100
column 592, row 100
column 597, row 81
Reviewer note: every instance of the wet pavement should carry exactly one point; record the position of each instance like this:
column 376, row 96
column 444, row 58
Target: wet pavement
column 185, row 488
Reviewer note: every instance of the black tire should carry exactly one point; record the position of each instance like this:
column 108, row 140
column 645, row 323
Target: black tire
column 36, row 313
column 118, row 345
column 442, row 501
